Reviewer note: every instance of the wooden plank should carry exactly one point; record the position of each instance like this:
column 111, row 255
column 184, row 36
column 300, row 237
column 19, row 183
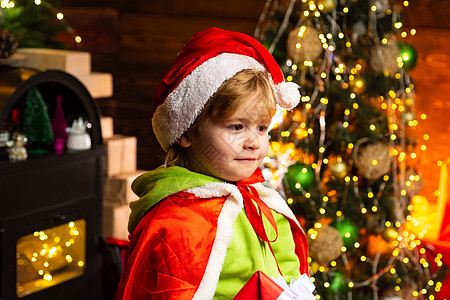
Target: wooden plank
column 85, row 3
column 232, row 9
column 146, row 37
column 98, row 28
column 428, row 13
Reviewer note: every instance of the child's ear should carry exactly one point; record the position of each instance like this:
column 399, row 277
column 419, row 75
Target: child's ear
column 184, row 141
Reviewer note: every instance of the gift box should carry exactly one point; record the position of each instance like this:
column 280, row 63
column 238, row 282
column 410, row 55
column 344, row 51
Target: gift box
column 98, row 84
column 120, row 154
column 107, row 124
column 73, row 62
column 76, row 63
column 117, row 188
column 262, row 287
column 259, row 287
column 115, row 221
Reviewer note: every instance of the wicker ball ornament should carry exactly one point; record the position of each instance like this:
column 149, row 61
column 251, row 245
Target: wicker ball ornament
column 372, row 160
column 303, row 44
column 383, row 58
column 326, row 244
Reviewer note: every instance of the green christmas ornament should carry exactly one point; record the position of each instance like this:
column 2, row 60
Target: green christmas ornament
column 408, row 55
column 299, row 177
column 338, row 282
column 348, row 231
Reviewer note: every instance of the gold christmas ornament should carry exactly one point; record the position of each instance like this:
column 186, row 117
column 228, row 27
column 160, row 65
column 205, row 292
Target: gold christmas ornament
column 303, row 44
column 338, row 168
column 372, row 160
column 390, row 234
column 326, row 6
column 358, row 85
column 383, row 58
column 325, row 243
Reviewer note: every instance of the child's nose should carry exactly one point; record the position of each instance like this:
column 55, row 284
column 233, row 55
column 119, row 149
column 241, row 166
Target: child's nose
column 251, row 141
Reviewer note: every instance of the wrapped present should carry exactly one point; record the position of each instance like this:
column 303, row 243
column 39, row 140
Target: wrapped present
column 262, row 287
column 99, row 85
column 115, row 221
column 76, row 63
column 73, row 62
column 107, row 124
column 117, row 188
column 120, row 154
column 259, row 287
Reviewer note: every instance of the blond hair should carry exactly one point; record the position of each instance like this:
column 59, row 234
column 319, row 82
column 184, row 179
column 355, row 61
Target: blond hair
column 235, row 93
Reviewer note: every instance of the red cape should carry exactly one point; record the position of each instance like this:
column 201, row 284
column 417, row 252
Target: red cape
column 178, row 247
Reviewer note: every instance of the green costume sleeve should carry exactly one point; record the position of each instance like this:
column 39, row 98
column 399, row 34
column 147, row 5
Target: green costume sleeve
column 248, row 254
column 284, row 249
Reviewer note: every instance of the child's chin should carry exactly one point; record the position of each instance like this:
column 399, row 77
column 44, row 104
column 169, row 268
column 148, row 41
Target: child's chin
column 243, row 174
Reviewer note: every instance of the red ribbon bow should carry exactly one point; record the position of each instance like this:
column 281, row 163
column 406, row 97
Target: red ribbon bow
column 256, row 208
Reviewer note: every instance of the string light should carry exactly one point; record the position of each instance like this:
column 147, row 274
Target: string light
column 394, row 238
column 51, row 253
column 6, row 4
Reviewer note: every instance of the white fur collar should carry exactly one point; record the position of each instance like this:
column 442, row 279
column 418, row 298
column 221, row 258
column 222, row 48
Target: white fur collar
column 232, row 207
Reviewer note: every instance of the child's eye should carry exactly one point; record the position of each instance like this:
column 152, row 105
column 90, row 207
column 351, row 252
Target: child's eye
column 236, row 127
column 263, row 128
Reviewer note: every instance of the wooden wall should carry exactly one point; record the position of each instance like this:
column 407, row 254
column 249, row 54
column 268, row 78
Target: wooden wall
column 137, row 42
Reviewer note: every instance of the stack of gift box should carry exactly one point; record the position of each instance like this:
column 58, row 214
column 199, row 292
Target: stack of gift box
column 120, row 160
column 75, row 63
column 120, row 171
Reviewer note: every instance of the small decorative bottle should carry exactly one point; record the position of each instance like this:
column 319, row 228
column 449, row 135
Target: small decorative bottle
column 78, row 138
column 18, row 152
column 59, row 127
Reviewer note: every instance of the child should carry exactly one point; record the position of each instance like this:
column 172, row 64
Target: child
column 204, row 223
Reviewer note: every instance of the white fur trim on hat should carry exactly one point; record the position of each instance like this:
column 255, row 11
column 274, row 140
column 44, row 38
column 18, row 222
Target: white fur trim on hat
column 182, row 106
column 287, row 94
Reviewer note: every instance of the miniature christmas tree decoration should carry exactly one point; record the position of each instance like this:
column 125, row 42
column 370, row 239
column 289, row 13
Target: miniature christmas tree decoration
column 36, row 122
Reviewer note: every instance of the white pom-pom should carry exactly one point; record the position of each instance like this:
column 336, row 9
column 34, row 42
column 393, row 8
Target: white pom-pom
column 287, row 95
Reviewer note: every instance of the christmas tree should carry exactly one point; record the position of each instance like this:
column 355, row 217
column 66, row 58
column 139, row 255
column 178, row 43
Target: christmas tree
column 34, row 23
column 36, row 122
column 346, row 156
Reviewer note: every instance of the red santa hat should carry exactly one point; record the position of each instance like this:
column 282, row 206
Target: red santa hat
column 210, row 58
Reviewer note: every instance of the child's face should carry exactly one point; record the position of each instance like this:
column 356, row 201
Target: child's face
column 231, row 151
